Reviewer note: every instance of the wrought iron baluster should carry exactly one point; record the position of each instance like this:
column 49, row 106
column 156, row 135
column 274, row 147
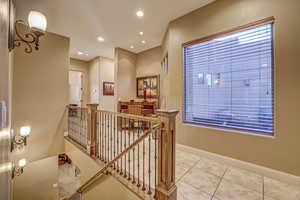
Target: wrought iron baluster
column 102, row 136
column 125, row 160
column 105, row 142
column 121, row 145
column 129, row 133
column 114, row 142
column 111, row 138
column 155, row 162
column 149, row 165
column 144, row 187
column 99, row 135
column 133, row 164
column 138, row 154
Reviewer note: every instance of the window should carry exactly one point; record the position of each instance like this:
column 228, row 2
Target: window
column 229, row 79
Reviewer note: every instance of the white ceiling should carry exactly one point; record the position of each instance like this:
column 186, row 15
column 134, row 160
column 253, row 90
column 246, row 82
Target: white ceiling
column 114, row 20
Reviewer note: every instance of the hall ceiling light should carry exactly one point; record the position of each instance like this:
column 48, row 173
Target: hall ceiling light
column 100, row 39
column 144, row 42
column 79, row 53
column 140, row 13
column 141, row 33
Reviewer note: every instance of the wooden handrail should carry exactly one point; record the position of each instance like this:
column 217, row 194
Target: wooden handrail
column 76, row 107
column 130, row 116
column 102, row 170
column 124, row 115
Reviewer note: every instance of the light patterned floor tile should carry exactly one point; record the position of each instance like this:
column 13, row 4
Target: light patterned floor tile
column 188, row 192
column 186, row 157
column 230, row 191
column 268, row 198
column 201, row 180
column 211, row 166
column 280, row 191
column 245, row 178
column 181, row 169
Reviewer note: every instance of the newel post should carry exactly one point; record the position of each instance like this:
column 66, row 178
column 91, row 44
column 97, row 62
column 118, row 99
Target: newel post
column 92, row 129
column 166, row 188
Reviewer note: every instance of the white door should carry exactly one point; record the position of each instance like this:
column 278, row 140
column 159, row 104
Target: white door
column 75, row 87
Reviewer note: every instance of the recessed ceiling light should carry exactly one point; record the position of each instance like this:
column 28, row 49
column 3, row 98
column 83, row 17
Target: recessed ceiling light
column 140, row 13
column 100, row 39
column 79, row 53
column 87, row 54
column 141, row 33
column 144, row 42
column 131, row 47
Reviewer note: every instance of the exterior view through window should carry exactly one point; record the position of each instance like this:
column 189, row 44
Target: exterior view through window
column 229, row 79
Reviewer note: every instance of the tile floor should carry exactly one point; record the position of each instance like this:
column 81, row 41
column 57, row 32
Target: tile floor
column 199, row 178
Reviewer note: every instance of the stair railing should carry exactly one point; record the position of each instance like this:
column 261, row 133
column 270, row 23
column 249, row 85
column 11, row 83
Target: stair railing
column 139, row 151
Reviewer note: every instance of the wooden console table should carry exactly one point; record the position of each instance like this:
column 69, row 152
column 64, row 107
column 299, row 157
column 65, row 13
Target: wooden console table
column 137, row 108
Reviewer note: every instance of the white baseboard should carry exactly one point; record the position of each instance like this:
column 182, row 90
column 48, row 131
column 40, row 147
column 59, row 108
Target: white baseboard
column 264, row 171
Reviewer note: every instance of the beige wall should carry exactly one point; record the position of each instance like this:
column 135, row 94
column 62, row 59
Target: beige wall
column 107, row 74
column 94, row 87
column 37, row 181
column 107, row 188
column 40, row 94
column 125, row 62
column 149, row 62
column 82, row 66
column 129, row 66
column 101, row 70
column 281, row 152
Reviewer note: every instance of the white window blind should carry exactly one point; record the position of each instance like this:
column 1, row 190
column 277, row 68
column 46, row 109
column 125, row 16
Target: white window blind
column 229, row 80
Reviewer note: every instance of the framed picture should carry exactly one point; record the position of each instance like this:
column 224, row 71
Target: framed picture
column 108, row 88
column 147, row 87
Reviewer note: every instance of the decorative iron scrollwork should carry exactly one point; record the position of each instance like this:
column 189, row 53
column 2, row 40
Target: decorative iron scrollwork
column 29, row 39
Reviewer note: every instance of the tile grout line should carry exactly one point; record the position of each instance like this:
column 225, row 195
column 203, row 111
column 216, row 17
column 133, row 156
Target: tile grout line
column 188, row 171
column 212, row 197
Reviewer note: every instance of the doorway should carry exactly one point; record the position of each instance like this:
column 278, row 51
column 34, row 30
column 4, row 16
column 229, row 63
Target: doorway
column 75, row 88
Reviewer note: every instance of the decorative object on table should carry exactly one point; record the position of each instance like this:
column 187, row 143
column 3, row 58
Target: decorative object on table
column 108, row 88
column 36, row 26
column 148, row 87
column 63, row 159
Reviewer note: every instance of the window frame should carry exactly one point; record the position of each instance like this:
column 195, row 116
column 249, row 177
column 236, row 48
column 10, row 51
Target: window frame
column 269, row 20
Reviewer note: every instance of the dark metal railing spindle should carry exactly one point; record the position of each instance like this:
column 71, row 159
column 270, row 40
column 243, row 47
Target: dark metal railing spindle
column 149, row 166
column 129, row 133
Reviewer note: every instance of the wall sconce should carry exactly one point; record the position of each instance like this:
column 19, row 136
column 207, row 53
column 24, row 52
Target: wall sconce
column 17, row 170
column 19, row 141
column 37, row 24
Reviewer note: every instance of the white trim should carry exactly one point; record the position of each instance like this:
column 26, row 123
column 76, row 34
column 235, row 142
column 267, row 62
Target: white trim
column 264, row 171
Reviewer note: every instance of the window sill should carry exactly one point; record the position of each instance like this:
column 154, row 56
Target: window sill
column 229, row 130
